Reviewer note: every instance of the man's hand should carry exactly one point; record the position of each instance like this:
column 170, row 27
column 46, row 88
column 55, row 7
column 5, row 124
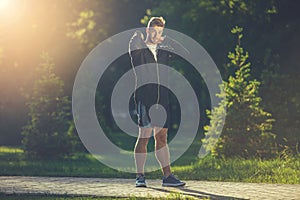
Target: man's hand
column 136, row 41
column 161, row 39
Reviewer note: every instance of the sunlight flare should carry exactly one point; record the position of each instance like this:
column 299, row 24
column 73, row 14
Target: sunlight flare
column 4, row 4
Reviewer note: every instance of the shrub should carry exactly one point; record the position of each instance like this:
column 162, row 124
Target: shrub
column 247, row 129
column 48, row 133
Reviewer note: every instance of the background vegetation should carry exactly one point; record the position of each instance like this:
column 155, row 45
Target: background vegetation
column 42, row 44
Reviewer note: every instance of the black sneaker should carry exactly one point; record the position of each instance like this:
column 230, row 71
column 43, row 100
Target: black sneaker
column 140, row 181
column 172, row 181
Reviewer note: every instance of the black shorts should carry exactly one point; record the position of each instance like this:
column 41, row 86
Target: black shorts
column 145, row 121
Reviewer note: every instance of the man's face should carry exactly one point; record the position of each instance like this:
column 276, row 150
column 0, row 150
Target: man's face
column 154, row 34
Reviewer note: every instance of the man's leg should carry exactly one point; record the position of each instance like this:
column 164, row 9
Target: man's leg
column 163, row 156
column 140, row 150
column 161, row 149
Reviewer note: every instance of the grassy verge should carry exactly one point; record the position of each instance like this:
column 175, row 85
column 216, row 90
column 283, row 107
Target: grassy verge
column 13, row 162
column 241, row 170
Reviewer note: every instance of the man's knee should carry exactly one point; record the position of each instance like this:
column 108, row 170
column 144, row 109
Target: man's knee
column 143, row 141
column 161, row 137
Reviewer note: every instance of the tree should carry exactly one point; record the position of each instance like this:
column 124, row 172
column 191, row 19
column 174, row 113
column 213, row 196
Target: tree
column 247, row 129
column 49, row 133
column 68, row 30
column 93, row 21
column 1, row 92
column 209, row 22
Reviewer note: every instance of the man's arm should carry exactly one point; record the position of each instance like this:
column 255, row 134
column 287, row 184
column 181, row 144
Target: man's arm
column 135, row 45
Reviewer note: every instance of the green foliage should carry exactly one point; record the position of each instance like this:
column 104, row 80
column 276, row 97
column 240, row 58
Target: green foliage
column 1, row 103
column 48, row 132
column 281, row 95
column 208, row 22
column 92, row 21
column 83, row 29
column 247, row 129
column 267, row 24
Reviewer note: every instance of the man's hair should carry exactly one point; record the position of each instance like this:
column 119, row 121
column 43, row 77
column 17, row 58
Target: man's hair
column 156, row 21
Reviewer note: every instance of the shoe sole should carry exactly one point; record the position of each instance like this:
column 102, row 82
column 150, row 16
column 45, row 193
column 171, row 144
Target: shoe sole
column 140, row 185
column 172, row 184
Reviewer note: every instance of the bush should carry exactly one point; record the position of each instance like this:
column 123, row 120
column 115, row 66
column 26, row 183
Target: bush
column 49, row 132
column 247, row 129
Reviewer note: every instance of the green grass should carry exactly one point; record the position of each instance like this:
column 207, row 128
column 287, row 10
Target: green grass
column 242, row 170
column 13, row 162
column 79, row 165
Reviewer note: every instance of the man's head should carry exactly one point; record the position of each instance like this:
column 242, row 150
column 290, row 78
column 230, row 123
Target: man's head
column 155, row 29
column 156, row 21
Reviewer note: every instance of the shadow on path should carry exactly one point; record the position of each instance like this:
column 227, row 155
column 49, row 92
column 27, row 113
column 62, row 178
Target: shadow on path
column 211, row 196
column 197, row 194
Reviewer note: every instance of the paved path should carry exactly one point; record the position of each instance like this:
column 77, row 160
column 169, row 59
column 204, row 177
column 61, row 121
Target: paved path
column 126, row 188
